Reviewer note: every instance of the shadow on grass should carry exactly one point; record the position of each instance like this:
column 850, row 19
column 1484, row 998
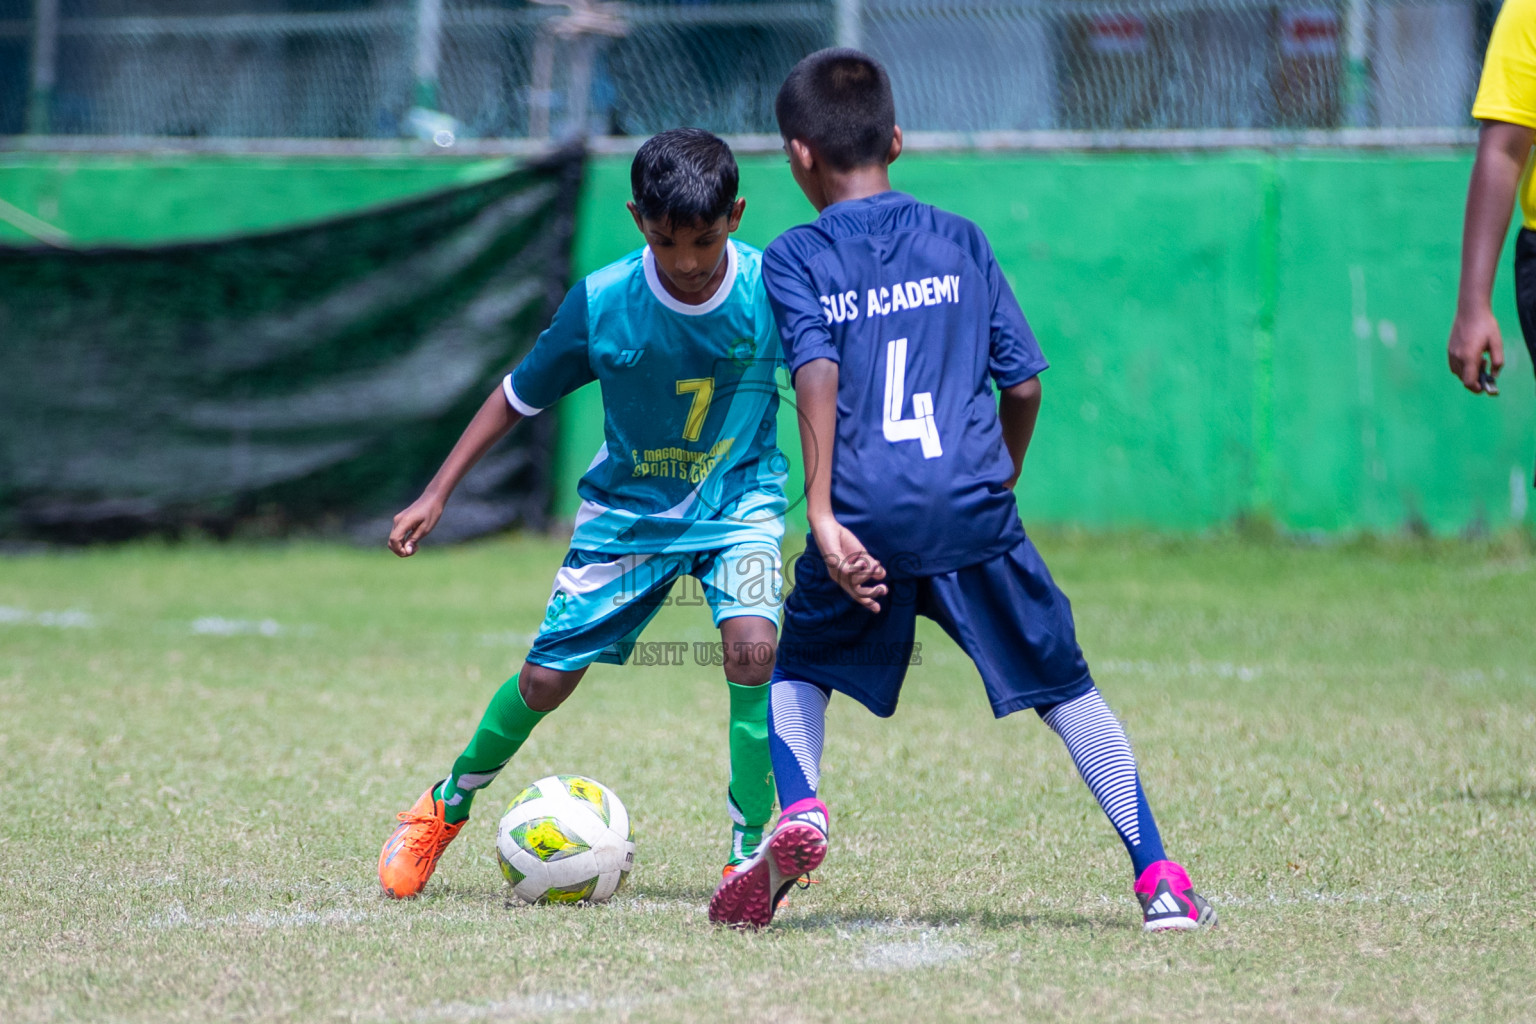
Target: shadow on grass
column 699, row 894
column 501, row 896
column 1502, row 796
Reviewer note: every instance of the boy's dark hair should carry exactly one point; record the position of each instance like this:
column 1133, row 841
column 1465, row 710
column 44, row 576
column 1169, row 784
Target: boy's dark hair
column 684, row 176
column 839, row 102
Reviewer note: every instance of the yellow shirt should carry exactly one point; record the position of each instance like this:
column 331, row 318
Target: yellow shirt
column 1507, row 91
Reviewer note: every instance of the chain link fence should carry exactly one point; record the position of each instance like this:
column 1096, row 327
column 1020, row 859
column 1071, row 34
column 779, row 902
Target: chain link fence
column 508, row 69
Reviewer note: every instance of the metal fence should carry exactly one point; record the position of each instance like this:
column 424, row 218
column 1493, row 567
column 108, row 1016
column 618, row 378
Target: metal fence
column 507, row 69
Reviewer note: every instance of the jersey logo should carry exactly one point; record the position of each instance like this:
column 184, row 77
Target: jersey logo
column 557, row 602
column 629, row 357
column 742, row 353
column 922, row 426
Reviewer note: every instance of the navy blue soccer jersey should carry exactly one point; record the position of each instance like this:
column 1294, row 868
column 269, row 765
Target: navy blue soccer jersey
column 911, row 303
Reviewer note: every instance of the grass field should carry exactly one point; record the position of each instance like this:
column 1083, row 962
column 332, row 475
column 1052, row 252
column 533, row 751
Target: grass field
column 201, row 749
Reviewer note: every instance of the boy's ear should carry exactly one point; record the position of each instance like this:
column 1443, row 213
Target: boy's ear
column 800, row 154
column 733, row 219
column 895, row 150
column 634, row 211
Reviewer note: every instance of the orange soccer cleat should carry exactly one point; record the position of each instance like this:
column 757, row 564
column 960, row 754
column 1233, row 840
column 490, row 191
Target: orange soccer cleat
column 411, row 852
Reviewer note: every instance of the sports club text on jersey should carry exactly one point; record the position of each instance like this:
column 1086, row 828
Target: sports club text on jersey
column 840, row 307
column 911, row 304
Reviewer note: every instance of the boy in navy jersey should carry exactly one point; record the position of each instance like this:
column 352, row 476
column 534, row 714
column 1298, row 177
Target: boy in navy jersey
column 896, row 321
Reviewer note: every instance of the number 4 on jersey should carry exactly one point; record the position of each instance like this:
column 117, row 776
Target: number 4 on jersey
column 921, row 427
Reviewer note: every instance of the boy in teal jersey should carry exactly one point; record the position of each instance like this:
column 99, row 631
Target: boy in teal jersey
column 689, row 481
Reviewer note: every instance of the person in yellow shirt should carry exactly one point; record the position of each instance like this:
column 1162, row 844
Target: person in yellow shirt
column 1506, row 106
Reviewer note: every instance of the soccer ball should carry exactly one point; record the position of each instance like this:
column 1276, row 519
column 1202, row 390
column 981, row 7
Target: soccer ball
column 565, row 839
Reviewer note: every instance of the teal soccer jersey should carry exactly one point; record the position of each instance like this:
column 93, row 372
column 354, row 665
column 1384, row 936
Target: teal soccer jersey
column 690, row 460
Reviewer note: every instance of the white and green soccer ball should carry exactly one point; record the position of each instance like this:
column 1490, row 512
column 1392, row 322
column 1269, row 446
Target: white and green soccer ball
column 565, row 839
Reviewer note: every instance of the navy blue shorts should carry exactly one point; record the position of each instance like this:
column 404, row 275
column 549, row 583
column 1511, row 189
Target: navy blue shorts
column 1006, row 613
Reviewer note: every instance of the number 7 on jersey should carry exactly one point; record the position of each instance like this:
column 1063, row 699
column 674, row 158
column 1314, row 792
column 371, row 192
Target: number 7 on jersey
column 702, row 389
column 922, row 426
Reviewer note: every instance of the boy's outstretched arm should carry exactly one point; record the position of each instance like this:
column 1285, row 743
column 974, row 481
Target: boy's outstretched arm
column 495, row 418
column 854, row 569
column 1018, row 409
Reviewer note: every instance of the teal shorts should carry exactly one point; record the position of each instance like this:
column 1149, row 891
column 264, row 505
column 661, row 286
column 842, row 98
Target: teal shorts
column 601, row 602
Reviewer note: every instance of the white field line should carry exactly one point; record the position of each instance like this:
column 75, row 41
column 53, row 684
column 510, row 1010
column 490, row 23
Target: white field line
column 904, row 938
column 70, row 619
column 177, row 917
column 508, row 639
column 1222, row 900
column 927, row 949
column 538, row 1005
column 873, row 945
column 1218, row 669
column 214, row 625
column 1512, row 567
column 208, row 625
column 893, row 926
column 900, row 946
column 641, row 904
column 910, row 956
column 1297, row 670
column 108, row 884
column 1351, row 899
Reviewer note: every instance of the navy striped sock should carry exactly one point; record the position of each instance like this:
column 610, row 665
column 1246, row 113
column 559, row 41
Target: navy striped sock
column 797, row 715
column 1098, row 746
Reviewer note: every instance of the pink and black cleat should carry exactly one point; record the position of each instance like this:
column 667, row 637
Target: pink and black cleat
column 1168, row 899
column 748, row 896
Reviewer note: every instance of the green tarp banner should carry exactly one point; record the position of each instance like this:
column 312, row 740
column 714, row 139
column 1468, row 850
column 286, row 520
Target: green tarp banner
column 310, row 377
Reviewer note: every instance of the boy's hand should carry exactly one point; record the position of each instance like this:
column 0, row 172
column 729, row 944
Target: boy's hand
column 853, row 568
column 413, row 525
column 490, row 425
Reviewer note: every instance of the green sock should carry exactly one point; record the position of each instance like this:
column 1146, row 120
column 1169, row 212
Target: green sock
column 751, row 793
column 505, row 725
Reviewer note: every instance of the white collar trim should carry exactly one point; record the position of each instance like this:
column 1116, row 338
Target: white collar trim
column 715, row 301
